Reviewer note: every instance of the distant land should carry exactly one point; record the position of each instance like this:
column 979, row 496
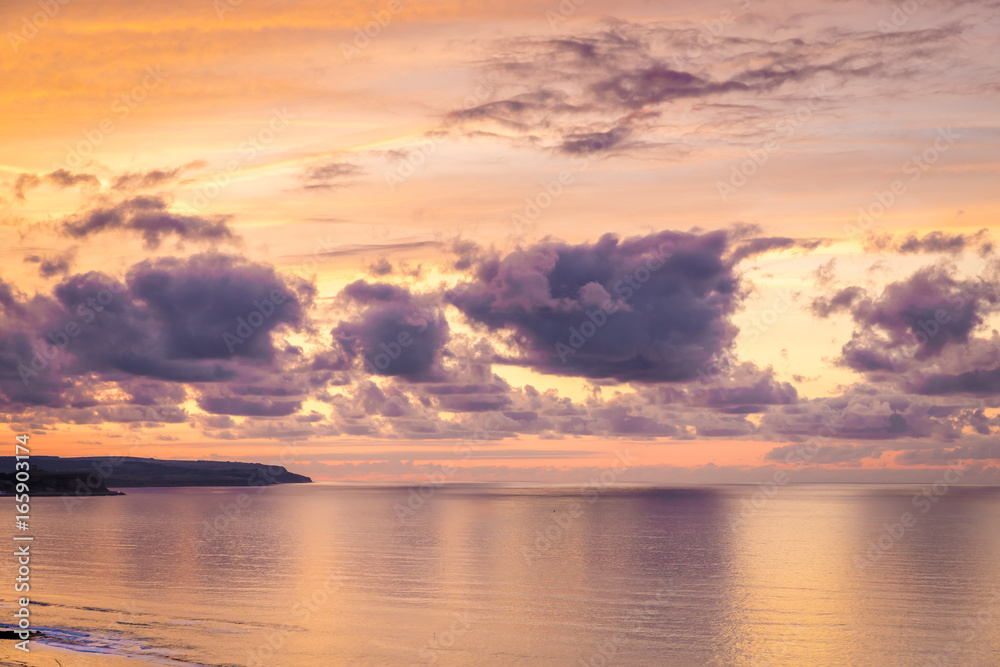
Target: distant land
column 97, row 475
column 43, row 483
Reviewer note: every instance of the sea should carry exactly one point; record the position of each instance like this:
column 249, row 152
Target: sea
column 336, row 574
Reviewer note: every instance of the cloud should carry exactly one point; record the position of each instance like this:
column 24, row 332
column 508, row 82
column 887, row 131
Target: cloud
column 9, row 299
column 380, row 268
column 837, row 454
column 367, row 248
column 330, row 175
column 53, row 265
column 394, row 334
column 147, row 392
column 761, row 245
column 745, row 389
column 657, row 83
column 25, row 182
column 471, row 397
column 143, row 180
column 648, row 309
column 469, row 252
column 969, row 382
column 577, row 143
column 826, row 274
column 175, row 320
column 611, row 89
column 913, row 319
column 841, row 301
column 659, row 310
column 932, row 242
column 860, row 413
column 249, row 408
column 196, row 301
column 65, row 179
column 621, row 421
column 61, row 178
column 148, row 216
column 21, row 384
column 982, row 451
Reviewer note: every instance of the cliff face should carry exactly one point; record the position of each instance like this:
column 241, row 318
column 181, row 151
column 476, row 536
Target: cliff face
column 128, row 471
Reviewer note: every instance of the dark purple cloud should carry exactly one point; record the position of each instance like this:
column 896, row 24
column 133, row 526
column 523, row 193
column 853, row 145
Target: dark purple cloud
column 932, row 242
column 982, row 451
column 620, row 421
column 65, row 179
column 141, row 180
column 609, row 90
column 9, row 299
column 364, row 249
column 25, row 374
column 393, row 333
column 366, row 293
column 757, row 246
column 17, row 351
column 492, row 393
column 655, row 84
column 25, row 182
column 648, row 309
column 53, row 265
column 235, row 405
column 61, row 178
column 143, row 391
column 916, row 318
column 197, row 301
column 842, row 300
column 825, row 273
column 862, row 412
column 970, row 382
column 206, row 318
column 577, row 143
column 839, row 454
column 149, row 217
column 330, row 175
column 381, row 268
column 472, row 403
column 750, row 397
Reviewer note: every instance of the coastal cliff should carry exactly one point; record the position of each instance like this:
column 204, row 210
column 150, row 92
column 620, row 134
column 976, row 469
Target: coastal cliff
column 53, row 475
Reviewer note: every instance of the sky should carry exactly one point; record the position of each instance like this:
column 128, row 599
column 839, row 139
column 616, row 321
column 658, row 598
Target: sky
column 688, row 242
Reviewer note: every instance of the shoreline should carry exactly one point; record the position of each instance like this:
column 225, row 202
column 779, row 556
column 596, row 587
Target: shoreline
column 42, row 653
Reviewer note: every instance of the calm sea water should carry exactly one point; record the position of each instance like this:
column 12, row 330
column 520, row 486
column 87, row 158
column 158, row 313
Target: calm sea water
column 329, row 575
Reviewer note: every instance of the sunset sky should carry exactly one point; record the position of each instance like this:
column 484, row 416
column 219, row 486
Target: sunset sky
column 369, row 239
